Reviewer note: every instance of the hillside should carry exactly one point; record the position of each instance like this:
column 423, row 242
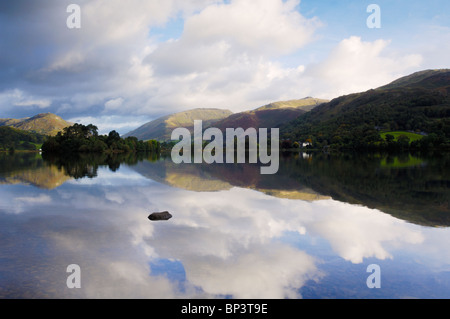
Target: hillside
column 270, row 116
column 416, row 79
column 44, row 124
column 417, row 103
column 306, row 104
column 15, row 139
column 161, row 128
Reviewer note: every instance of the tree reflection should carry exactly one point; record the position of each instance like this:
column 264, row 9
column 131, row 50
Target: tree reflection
column 82, row 165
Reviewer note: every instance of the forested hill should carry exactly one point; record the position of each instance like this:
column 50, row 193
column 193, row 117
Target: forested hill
column 417, row 103
column 12, row 139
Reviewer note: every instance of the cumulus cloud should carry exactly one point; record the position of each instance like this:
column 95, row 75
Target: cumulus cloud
column 224, row 48
column 98, row 58
column 225, row 54
column 355, row 65
column 271, row 27
column 221, row 34
column 114, row 104
column 273, row 272
column 39, row 103
column 224, row 58
column 367, row 235
column 22, row 99
column 34, row 200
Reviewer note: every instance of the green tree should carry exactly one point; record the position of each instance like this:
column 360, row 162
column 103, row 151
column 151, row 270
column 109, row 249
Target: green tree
column 85, row 139
column 389, row 138
column 113, row 136
column 403, row 141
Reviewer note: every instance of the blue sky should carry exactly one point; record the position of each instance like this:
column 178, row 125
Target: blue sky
column 132, row 62
column 401, row 20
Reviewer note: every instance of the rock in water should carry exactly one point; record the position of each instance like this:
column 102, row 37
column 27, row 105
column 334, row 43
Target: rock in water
column 160, row 216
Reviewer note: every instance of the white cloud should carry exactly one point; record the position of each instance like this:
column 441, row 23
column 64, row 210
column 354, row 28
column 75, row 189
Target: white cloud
column 21, row 98
column 357, row 232
column 433, row 42
column 230, row 54
column 42, row 104
column 226, row 56
column 114, row 104
column 106, row 123
column 355, row 65
column 41, row 199
column 70, row 61
column 271, row 28
column 271, row 271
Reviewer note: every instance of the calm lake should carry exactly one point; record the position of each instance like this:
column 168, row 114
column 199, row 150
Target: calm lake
column 310, row 231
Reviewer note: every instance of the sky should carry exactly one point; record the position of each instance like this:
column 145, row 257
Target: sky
column 129, row 62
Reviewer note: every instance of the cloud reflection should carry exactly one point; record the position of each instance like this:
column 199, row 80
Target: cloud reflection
column 228, row 242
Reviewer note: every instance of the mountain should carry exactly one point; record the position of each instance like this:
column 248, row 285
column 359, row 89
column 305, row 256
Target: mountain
column 45, row 124
column 270, row 116
column 419, row 103
column 161, row 128
column 416, row 79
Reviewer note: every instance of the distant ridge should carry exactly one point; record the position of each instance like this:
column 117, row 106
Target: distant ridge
column 271, row 115
column 161, row 128
column 305, row 104
column 44, row 123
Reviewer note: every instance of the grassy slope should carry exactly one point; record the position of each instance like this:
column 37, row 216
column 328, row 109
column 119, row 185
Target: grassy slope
column 306, row 104
column 45, row 124
column 412, row 136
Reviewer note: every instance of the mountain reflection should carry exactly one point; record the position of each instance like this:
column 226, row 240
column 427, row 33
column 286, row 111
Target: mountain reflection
column 216, row 177
column 415, row 187
column 31, row 169
column 410, row 187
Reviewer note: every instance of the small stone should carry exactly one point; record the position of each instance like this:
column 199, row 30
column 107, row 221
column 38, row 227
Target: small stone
column 160, row 216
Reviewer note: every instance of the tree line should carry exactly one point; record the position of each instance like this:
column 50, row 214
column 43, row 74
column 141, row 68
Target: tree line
column 80, row 138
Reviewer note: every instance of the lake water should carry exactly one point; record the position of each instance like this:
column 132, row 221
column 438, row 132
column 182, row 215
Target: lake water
column 310, row 231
